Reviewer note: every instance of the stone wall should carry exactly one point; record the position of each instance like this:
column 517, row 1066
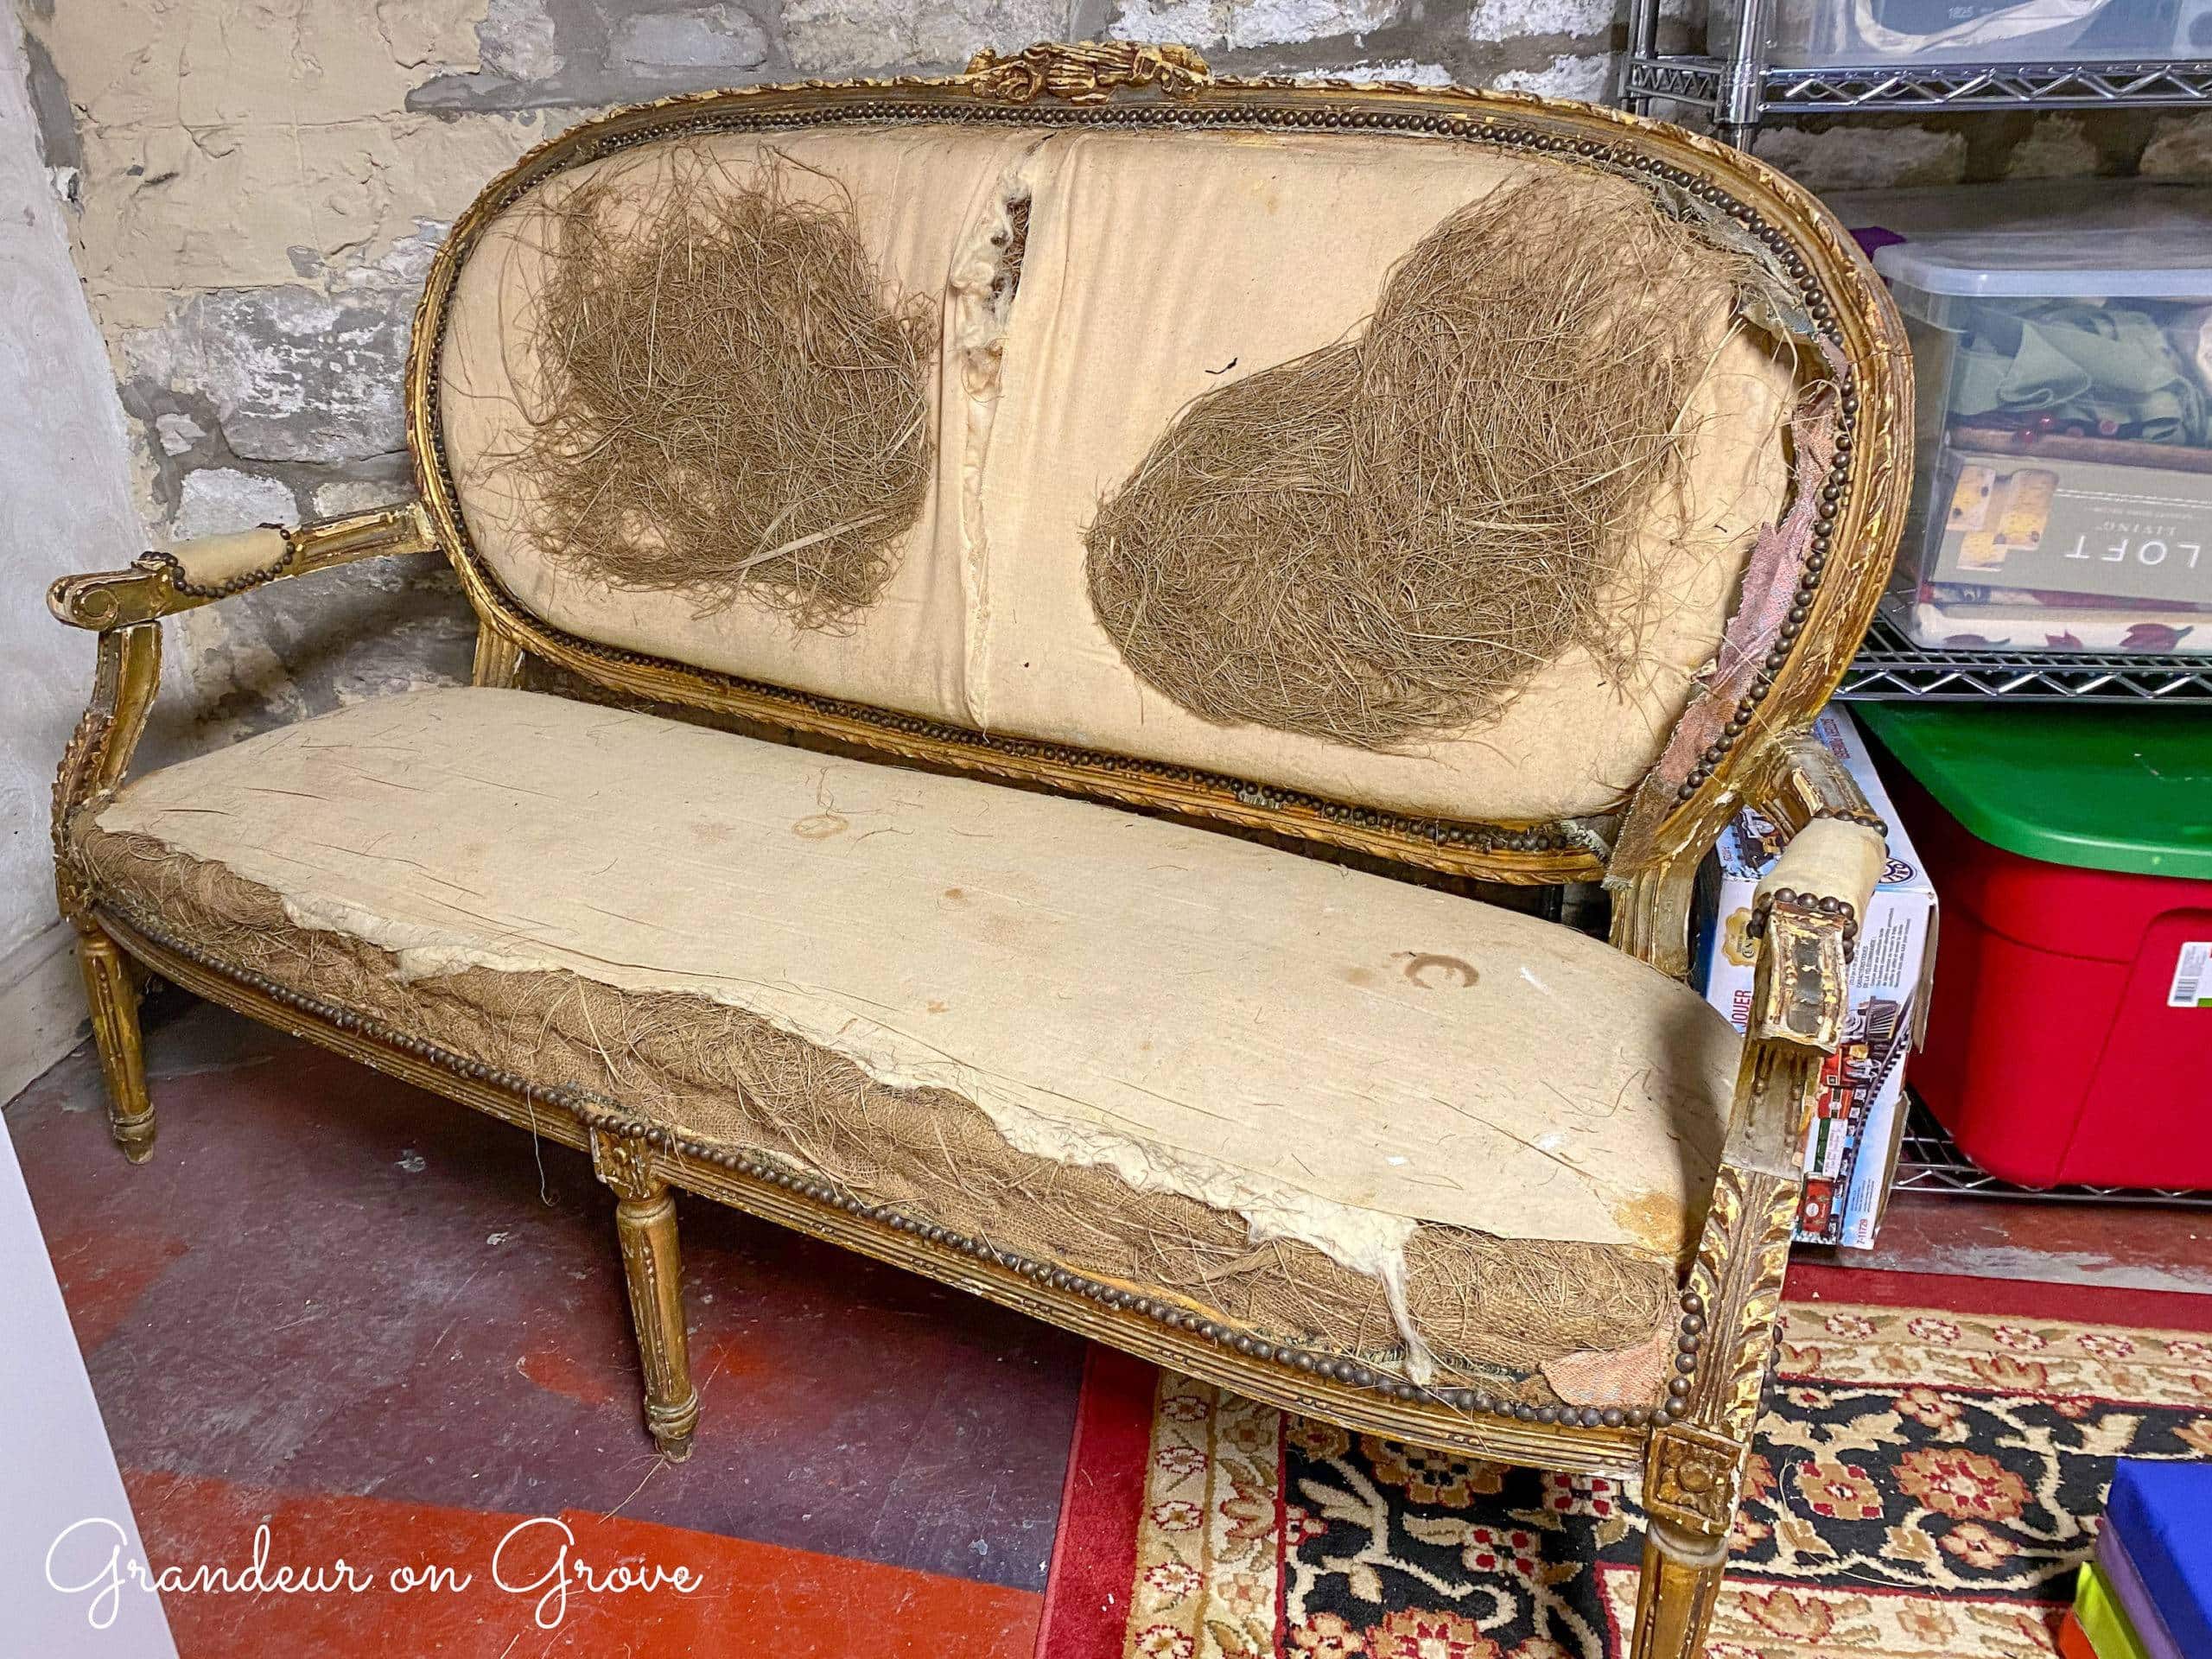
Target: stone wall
column 65, row 502
column 254, row 188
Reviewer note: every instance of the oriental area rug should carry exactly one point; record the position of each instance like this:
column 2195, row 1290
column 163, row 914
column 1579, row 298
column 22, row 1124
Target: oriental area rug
column 1927, row 1478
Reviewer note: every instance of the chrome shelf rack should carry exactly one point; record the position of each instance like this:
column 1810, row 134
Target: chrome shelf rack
column 1890, row 669
column 1929, row 1160
column 1739, row 89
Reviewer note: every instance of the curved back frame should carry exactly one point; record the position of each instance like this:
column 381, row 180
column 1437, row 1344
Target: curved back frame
column 1842, row 305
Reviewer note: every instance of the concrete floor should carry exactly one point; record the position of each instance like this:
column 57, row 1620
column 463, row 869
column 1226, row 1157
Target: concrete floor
column 2121, row 1246
column 327, row 1282
column 383, row 1321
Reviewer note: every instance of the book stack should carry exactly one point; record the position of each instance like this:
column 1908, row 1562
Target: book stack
column 2147, row 1593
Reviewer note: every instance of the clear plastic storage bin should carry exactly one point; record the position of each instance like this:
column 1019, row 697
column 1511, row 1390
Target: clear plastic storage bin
column 2061, row 341
column 1822, row 33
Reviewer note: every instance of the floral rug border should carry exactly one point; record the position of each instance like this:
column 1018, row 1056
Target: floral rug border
column 1263, row 1534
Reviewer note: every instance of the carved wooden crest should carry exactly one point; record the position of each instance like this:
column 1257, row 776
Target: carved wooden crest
column 1086, row 72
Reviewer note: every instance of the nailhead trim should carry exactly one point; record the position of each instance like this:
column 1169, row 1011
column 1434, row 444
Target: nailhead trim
column 596, row 1113
column 1854, row 815
column 1833, row 489
column 168, row 563
column 1819, row 905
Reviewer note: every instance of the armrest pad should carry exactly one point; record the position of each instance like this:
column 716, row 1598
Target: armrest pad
column 1834, row 858
column 1806, row 915
column 209, row 568
column 208, row 564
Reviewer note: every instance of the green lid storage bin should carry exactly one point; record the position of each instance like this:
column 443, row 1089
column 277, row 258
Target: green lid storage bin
column 2069, row 1037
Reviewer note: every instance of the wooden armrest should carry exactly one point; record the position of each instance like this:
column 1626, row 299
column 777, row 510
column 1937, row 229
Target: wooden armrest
column 198, row 572
column 125, row 607
column 1808, row 909
column 1805, row 919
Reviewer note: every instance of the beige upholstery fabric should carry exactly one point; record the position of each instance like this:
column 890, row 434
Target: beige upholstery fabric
column 1158, row 272
column 1830, row 858
column 211, row 561
column 1158, row 265
column 1339, row 1061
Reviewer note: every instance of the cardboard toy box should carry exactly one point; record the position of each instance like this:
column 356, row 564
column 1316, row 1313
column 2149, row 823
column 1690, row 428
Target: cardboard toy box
column 1851, row 1149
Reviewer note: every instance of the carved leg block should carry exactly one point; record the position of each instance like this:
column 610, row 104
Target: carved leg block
column 112, row 989
column 645, row 1222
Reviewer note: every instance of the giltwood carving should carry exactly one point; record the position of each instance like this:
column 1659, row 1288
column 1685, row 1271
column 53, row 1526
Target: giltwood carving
column 126, row 673
column 1651, row 915
column 1692, row 1479
column 1674, row 1601
column 498, row 661
column 1086, row 72
column 112, row 991
column 153, row 588
column 652, row 1269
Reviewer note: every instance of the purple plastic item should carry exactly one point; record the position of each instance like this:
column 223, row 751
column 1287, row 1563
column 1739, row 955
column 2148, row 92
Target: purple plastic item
column 2161, row 1510
column 2134, row 1599
column 1872, row 238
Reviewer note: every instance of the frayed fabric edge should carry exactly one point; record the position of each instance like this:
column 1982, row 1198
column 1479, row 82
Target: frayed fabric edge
column 1367, row 1242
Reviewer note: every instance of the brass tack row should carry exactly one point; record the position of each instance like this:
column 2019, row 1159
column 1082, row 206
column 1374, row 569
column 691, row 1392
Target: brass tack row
column 1854, row 815
column 1819, row 904
column 168, row 565
column 1478, row 130
column 593, row 1112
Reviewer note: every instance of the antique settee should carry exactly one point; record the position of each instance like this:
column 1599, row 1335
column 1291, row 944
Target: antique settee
column 1042, row 634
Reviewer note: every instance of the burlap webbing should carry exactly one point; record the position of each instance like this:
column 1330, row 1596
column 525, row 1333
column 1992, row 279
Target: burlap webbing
column 1492, row 1310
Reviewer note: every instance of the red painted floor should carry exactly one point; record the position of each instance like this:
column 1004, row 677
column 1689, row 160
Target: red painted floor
column 392, row 1330
column 433, row 1580
column 387, row 1323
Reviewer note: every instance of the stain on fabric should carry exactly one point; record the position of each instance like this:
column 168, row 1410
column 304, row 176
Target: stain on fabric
column 1432, row 972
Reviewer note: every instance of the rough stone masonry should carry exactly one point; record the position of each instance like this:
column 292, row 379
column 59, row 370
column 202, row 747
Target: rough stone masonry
column 255, row 188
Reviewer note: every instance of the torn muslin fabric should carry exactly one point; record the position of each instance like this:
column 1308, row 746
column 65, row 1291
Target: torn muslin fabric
column 1154, row 267
column 1342, row 1062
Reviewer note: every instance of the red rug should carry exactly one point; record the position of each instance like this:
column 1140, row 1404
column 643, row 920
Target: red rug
column 1927, row 1477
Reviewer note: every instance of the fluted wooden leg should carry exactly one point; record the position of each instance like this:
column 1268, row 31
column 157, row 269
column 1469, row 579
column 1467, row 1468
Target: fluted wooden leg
column 1674, row 1603
column 498, row 659
column 644, row 1221
column 112, row 989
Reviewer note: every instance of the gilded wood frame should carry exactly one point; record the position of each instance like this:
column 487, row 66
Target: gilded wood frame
column 1694, row 1444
